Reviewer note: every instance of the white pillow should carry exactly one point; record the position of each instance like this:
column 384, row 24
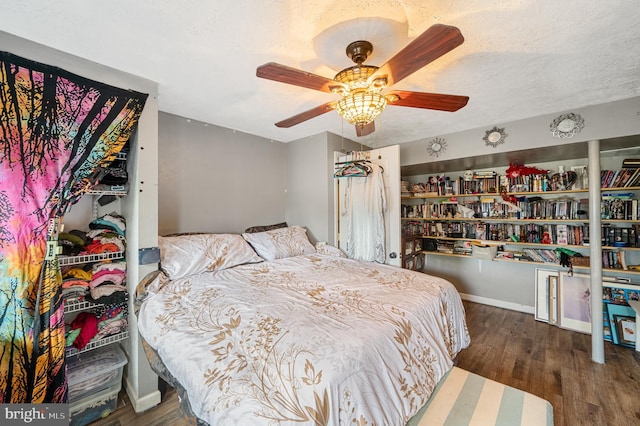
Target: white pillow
column 186, row 255
column 280, row 243
column 328, row 250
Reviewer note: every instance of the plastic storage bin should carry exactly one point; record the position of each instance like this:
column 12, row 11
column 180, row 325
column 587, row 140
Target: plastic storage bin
column 94, row 406
column 94, row 371
column 484, row 252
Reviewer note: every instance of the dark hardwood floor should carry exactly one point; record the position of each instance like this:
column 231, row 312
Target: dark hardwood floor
column 511, row 348
column 555, row 364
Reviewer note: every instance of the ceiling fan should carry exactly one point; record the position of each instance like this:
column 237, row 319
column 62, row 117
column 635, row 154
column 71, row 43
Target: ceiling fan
column 362, row 88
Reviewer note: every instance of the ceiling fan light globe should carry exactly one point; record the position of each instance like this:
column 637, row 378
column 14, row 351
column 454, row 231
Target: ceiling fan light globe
column 356, row 77
column 361, row 108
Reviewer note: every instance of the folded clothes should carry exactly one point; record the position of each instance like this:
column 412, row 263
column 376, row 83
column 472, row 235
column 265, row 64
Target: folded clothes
column 108, row 271
column 108, row 278
column 106, row 290
column 119, row 241
column 100, row 231
column 71, row 336
column 112, row 328
column 106, row 322
column 71, row 242
column 111, row 313
column 116, row 297
column 102, row 310
column 74, row 293
column 75, row 288
column 109, row 221
column 107, row 236
column 77, row 273
column 80, row 234
column 74, row 282
column 68, row 248
column 111, row 266
column 96, row 248
column 87, row 323
column 72, row 238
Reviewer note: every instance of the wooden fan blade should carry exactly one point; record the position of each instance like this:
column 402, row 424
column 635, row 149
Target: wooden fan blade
column 436, row 101
column 366, row 130
column 285, row 74
column 427, row 47
column 307, row 115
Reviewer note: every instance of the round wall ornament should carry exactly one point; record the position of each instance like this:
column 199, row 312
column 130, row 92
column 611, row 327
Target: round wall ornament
column 495, row 136
column 566, row 125
column 436, row 147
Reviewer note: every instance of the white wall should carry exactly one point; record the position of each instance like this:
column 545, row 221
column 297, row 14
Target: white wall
column 310, row 191
column 307, row 190
column 604, row 121
column 214, row 179
column 219, row 180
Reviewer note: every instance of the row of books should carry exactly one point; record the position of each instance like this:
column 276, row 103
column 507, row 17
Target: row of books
column 429, row 210
column 488, row 182
column 623, row 178
column 614, row 260
column 536, row 208
column 532, row 183
column 525, row 208
column 610, row 259
column 622, row 237
column 436, row 186
column 557, row 234
column 541, row 255
column 623, row 207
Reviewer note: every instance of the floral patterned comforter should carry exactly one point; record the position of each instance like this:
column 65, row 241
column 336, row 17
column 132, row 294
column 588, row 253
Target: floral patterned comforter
column 309, row 339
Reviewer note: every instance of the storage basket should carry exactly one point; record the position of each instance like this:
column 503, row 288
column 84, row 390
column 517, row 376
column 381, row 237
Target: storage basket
column 484, row 252
column 94, row 371
column 94, row 407
column 580, row 260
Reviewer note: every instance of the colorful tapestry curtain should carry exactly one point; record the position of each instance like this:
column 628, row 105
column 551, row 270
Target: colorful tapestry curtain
column 56, row 129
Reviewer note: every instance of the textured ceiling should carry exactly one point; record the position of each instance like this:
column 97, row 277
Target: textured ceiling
column 520, row 58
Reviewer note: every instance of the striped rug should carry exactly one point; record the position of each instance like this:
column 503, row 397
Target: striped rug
column 463, row 398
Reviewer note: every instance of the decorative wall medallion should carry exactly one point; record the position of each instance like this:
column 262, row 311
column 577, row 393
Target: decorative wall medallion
column 566, row 125
column 495, row 136
column 436, row 147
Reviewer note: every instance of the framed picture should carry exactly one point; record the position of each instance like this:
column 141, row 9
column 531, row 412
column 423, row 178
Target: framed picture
column 616, row 314
column 574, row 302
column 626, row 329
column 408, row 247
column 546, row 309
column 409, row 264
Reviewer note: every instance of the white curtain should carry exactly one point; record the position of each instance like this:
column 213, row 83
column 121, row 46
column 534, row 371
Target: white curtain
column 363, row 217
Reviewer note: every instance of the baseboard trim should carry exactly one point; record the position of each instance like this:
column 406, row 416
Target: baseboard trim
column 498, row 303
column 144, row 403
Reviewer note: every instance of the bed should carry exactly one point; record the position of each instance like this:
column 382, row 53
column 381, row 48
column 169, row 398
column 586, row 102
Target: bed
column 265, row 328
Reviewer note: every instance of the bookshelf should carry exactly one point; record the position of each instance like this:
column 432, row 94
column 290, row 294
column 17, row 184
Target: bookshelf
column 532, row 218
